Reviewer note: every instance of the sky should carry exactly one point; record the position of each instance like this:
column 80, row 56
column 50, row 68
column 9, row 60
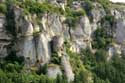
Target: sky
column 118, row 0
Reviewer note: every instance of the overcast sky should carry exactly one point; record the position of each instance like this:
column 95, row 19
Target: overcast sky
column 118, row 0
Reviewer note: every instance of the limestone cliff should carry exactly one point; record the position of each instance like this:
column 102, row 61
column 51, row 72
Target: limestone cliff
column 36, row 37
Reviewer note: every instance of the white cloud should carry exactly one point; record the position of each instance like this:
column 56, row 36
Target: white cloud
column 118, row 1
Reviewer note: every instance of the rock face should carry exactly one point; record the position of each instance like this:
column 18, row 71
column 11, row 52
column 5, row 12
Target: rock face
column 57, row 44
column 67, row 67
column 5, row 38
column 31, row 43
column 37, row 41
column 97, row 12
column 120, row 31
column 53, row 71
column 81, row 34
column 27, row 48
column 43, row 48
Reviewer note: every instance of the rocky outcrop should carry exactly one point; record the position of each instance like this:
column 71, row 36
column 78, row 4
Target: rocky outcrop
column 120, row 31
column 31, row 43
column 67, row 67
column 36, row 41
column 81, row 34
column 57, row 44
column 43, row 48
column 53, row 71
column 59, row 3
column 5, row 38
column 97, row 12
column 114, row 50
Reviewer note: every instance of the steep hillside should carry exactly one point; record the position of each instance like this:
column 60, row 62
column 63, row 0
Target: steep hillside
column 62, row 41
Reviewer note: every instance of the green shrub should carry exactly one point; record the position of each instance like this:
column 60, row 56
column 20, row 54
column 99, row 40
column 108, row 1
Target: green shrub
column 42, row 69
column 99, row 80
column 101, row 39
column 12, row 58
column 104, row 3
column 56, row 59
column 82, row 77
column 88, row 58
column 10, row 18
column 101, row 55
column 88, row 7
column 40, row 8
column 4, row 78
column 108, row 18
column 3, row 8
column 76, row 62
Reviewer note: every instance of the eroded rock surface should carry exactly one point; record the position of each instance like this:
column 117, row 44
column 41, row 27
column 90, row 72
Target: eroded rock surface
column 5, row 38
column 67, row 67
column 37, row 41
column 53, row 71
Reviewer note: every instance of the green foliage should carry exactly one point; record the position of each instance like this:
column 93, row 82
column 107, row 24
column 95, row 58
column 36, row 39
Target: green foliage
column 103, row 72
column 9, row 75
column 73, row 16
column 81, row 73
column 4, row 78
column 82, row 77
column 69, row 2
column 71, row 21
column 3, row 8
column 101, row 55
column 12, row 57
column 24, row 78
column 108, row 18
column 75, row 61
column 98, row 80
column 88, row 7
column 55, row 58
column 101, row 39
column 42, row 69
column 114, row 71
column 39, row 8
column 105, row 3
column 9, row 67
column 88, row 58
column 10, row 26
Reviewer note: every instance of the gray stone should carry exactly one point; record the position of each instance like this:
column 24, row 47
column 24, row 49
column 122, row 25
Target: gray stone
column 43, row 48
column 53, row 70
column 5, row 38
column 55, row 25
column 120, row 31
column 26, row 48
column 57, row 43
column 82, row 33
column 67, row 68
column 97, row 12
